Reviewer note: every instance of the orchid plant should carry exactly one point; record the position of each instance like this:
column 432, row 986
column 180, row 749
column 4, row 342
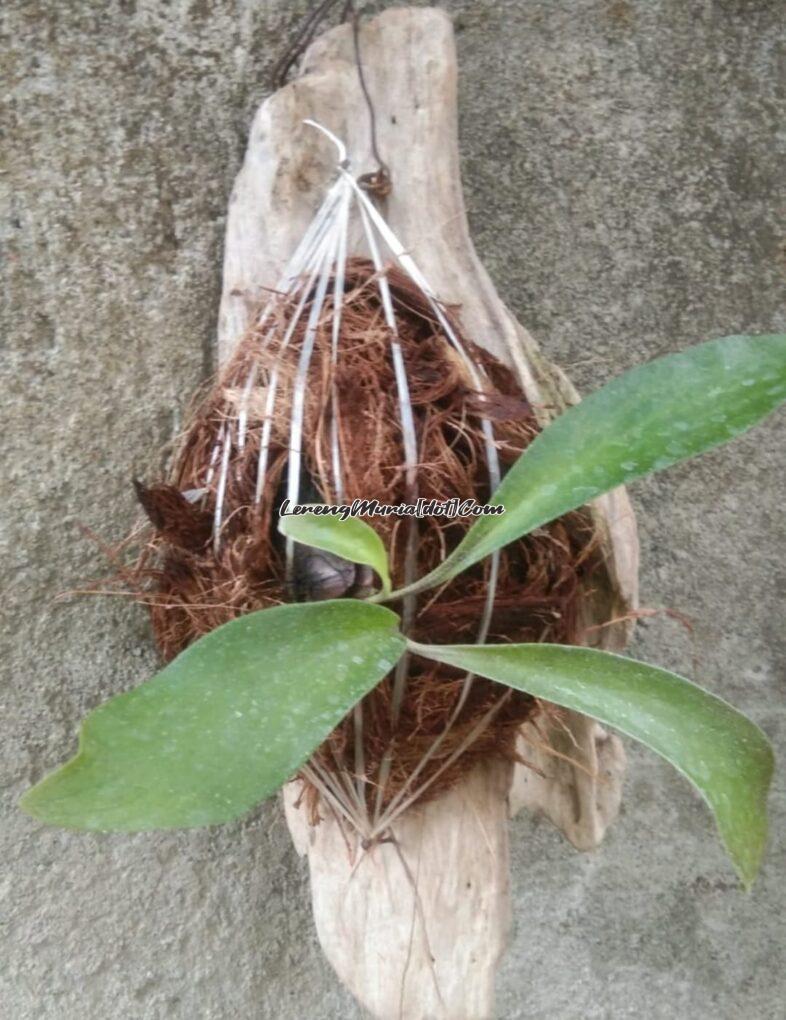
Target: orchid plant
column 238, row 713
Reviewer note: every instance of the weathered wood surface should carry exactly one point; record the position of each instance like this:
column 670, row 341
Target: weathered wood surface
column 433, row 953
column 416, row 929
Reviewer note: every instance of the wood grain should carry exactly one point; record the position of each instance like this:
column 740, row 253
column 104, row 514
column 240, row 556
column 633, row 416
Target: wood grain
column 416, row 929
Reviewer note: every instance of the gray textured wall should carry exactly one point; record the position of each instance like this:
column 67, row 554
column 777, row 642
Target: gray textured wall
column 620, row 170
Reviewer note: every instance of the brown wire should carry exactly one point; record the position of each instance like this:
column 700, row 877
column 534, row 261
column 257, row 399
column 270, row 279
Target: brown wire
column 305, row 33
column 378, row 182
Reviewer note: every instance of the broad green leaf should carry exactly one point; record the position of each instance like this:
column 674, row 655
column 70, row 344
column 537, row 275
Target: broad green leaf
column 726, row 757
column 225, row 724
column 647, row 419
column 352, row 539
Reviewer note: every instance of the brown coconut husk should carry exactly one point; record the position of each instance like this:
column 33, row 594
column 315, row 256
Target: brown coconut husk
column 193, row 585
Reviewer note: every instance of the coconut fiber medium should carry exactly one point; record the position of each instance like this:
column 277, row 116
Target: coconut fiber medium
column 193, row 580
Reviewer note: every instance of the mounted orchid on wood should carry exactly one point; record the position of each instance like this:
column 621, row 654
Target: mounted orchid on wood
column 418, row 679
column 245, row 707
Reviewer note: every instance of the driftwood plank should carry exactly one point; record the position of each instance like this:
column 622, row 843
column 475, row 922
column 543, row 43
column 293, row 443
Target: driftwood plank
column 416, row 929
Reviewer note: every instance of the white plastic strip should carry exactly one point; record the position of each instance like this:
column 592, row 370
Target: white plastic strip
column 272, row 387
column 306, row 352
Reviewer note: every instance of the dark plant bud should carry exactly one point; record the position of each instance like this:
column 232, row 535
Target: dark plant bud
column 319, row 575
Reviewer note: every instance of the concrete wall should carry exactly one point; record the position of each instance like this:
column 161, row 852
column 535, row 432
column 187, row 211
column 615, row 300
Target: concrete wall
column 620, row 171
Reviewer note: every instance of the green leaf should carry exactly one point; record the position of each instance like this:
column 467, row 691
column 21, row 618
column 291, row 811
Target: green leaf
column 352, row 539
column 726, row 757
column 225, row 724
column 647, row 419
